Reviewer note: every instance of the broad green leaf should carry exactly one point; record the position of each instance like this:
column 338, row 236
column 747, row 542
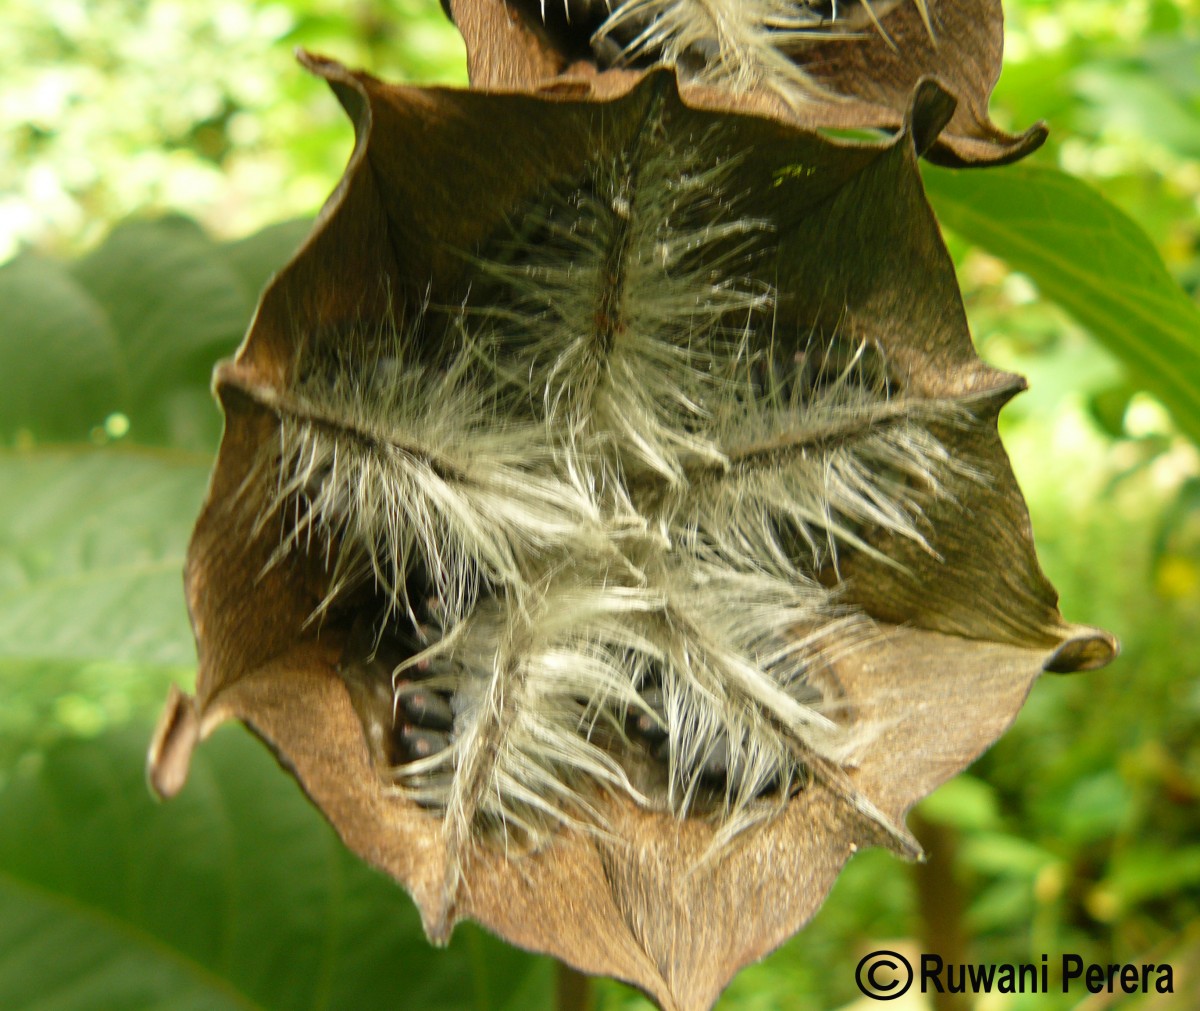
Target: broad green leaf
column 1090, row 258
column 998, row 853
column 174, row 304
column 1108, row 406
column 131, row 329
column 236, row 895
column 963, row 803
column 46, row 701
column 257, row 257
column 1173, row 57
column 1128, row 99
column 60, row 360
column 92, row 546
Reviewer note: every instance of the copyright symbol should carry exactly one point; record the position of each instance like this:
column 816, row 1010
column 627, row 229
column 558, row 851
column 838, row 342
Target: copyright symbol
column 884, row 975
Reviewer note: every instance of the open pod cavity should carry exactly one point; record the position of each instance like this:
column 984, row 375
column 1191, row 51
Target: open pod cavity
column 610, row 531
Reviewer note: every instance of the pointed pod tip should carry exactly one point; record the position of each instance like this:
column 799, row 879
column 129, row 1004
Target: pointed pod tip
column 346, row 84
column 439, row 928
column 171, row 747
column 988, row 148
column 904, row 844
column 1027, row 142
column 1087, row 649
column 315, row 63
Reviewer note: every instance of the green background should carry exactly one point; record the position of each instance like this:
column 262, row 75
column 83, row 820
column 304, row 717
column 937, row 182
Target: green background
column 155, row 158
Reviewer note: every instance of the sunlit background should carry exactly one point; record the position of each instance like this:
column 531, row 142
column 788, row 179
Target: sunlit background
column 1080, row 830
column 114, row 107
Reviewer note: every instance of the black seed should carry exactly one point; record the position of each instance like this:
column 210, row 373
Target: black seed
column 425, row 708
column 649, row 726
column 715, row 766
column 415, row 743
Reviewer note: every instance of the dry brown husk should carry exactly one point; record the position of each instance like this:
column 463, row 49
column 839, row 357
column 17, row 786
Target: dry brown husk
column 961, row 638
column 865, row 82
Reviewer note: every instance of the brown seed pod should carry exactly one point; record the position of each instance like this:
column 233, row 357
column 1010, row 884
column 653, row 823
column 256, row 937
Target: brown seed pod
column 610, row 531
column 849, row 65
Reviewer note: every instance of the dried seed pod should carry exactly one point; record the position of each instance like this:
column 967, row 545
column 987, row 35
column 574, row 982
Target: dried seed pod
column 845, row 65
column 554, row 558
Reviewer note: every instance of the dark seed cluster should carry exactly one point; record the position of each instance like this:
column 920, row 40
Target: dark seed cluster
column 408, row 717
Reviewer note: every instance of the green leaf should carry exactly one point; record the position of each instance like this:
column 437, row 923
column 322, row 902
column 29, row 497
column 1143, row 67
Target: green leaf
column 1151, row 871
column 61, row 362
column 236, row 895
column 1096, row 808
column 1182, row 511
column 175, row 305
column 257, row 257
column 134, row 327
column 46, row 701
column 1003, row 906
column 963, row 802
column 999, row 853
column 1088, row 256
column 1127, row 98
column 92, row 547
column 1108, row 406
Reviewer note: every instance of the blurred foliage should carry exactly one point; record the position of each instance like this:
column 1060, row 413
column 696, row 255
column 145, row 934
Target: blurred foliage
column 111, row 107
column 278, row 914
column 1079, row 831
column 1092, row 260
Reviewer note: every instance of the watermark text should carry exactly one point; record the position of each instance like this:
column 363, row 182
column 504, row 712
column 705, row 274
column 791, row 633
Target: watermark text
column 886, row 975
